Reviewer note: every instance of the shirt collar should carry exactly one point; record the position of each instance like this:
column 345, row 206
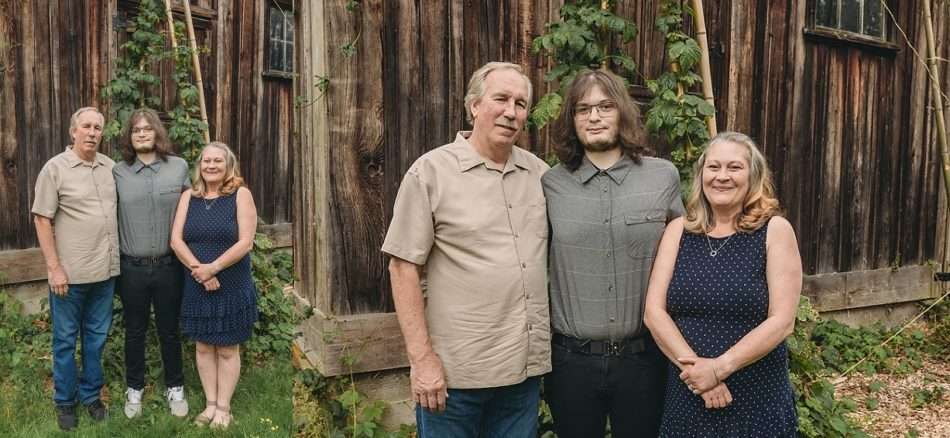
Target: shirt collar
column 73, row 160
column 139, row 165
column 469, row 158
column 617, row 172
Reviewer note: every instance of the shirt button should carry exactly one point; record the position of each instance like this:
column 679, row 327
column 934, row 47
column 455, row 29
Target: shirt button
column 611, row 319
column 607, row 221
column 510, row 206
column 516, row 235
column 524, row 265
column 608, row 253
column 611, row 287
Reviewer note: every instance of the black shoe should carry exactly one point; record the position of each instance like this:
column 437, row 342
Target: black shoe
column 97, row 410
column 66, row 417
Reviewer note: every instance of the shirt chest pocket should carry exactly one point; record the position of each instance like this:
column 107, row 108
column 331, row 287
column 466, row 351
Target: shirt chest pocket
column 643, row 232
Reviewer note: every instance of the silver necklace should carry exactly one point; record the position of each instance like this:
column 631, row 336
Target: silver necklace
column 715, row 252
column 208, row 205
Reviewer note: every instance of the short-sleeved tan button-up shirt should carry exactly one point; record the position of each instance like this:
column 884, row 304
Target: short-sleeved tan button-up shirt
column 481, row 232
column 80, row 198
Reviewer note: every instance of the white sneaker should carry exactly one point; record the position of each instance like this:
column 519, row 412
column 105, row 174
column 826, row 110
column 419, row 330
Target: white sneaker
column 133, row 402
column 176, row 401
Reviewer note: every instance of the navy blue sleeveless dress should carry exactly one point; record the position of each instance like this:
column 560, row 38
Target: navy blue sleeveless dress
column 225, row 316
column 715, row 301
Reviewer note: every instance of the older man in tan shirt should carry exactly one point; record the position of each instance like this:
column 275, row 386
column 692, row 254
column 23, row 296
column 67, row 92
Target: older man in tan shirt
column 74, row 212
column 471, row 216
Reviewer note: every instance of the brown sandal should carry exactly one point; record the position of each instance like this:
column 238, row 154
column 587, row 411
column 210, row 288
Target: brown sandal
column 222, row 426
column 201, row 419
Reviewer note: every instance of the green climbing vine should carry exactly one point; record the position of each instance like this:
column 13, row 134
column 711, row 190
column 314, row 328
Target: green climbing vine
column 133, row 81
column 676, row 115
column 583, row 38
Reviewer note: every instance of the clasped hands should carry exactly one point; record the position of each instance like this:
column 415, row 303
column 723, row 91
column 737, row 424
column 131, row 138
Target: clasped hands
column 702, row 378
column 206, row 274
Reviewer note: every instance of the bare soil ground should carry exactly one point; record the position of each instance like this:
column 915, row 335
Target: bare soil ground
column 894, row 415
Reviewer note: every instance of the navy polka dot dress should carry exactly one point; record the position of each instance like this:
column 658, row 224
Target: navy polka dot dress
column 715, row 301
column 225, row 316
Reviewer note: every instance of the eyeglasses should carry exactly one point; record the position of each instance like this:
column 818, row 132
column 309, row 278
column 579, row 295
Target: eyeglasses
column 604, row 109
column 145, row 129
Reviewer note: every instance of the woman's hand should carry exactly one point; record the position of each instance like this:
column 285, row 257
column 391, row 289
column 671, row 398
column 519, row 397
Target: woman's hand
column 699, row 373
column 203, row 272
column 212, row 284
column 718, row 397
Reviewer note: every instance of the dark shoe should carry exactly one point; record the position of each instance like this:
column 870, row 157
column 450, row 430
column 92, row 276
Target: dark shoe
column 97, row 410
column 66, row 417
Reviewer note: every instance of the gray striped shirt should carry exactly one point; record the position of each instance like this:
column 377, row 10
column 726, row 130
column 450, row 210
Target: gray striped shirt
column 148, row 197
column 605, row 228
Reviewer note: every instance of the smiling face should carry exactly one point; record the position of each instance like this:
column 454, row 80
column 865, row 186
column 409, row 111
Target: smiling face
column 726, row 175
column 143, row 136
column 213, row 165
column 499, row 115
column 596, row 120
column 87, row 133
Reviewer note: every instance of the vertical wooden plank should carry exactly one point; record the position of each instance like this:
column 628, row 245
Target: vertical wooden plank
column 226, row 34
column 355, row 106
column 11, row 218
column 830, row 150
column 741, row 65
column 796, row 137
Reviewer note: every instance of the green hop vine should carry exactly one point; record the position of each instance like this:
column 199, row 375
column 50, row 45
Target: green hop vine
column 676, row 115
column 582, row 39
column 130, row 86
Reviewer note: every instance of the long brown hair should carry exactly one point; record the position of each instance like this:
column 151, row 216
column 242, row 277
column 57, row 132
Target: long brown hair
column 760, row 203
column 163, row 147
column 631, row 135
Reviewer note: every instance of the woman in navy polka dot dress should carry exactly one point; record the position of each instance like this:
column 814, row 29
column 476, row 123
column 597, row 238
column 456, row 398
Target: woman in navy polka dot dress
column 722, row 299
column 212, row 235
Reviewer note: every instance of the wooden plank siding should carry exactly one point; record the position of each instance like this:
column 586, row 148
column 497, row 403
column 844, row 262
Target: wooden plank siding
column 845, row 127
column 57, row 55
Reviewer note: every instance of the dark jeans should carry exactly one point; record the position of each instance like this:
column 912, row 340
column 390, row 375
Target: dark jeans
column 584, row 390
column 85, row 312
column 141, row 288
column 502, row 412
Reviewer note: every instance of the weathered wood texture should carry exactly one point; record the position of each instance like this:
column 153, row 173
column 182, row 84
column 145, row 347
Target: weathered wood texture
column 845, row 127
column 55, row 56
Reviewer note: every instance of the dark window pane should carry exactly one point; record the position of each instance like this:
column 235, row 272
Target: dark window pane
column 276, row 55
column 873, row 18
column 276, row 24
column 851, row 15
column 289, row 57
column 826, row 13
column 289, row 27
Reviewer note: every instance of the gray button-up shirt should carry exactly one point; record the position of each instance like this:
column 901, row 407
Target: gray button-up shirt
column 148, row 197
column 606, row 225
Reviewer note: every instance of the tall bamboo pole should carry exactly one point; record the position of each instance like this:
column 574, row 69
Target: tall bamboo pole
column 934, row 74
column 171, row 25
column 197, row 65
column 700, row 21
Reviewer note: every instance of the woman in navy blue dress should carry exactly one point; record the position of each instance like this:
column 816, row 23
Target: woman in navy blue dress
column 723, row 297
column 212, row 235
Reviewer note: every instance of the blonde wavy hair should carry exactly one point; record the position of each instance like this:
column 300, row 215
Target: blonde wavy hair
column 760, row 203
column 232, row 174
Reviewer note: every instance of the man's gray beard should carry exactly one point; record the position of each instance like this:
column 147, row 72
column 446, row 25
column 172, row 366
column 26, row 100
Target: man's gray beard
column 600, row 146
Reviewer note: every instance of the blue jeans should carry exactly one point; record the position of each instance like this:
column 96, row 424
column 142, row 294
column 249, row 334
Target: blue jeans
column 502, row 412
column 86, row 311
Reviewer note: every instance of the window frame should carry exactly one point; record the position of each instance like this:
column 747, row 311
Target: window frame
column 821, row 33
column 286, row 6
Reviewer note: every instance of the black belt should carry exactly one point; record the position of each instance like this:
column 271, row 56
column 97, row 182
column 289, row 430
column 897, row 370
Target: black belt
column 603, row 348
column 149, row 261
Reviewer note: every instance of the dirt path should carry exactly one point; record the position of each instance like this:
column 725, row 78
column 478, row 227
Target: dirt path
column 893, row 416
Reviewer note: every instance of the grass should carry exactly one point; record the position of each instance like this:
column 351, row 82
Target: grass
column 261, row 406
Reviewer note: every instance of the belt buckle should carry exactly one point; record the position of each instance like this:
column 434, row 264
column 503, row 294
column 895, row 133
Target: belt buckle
column 613, row 348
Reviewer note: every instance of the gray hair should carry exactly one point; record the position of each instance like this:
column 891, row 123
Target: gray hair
column 476, row 85
column 74, row 119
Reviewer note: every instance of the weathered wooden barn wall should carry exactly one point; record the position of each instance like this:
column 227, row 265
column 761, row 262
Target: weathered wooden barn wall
column 56, row 55
column 846, row 128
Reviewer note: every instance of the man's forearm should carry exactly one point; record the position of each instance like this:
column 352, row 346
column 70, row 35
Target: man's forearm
column 44, row 234
column 410, row 309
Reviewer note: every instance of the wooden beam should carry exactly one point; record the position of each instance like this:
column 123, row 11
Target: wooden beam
column 353, row 343
column 851, row 290
column 22, row 265
column 280, row 234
